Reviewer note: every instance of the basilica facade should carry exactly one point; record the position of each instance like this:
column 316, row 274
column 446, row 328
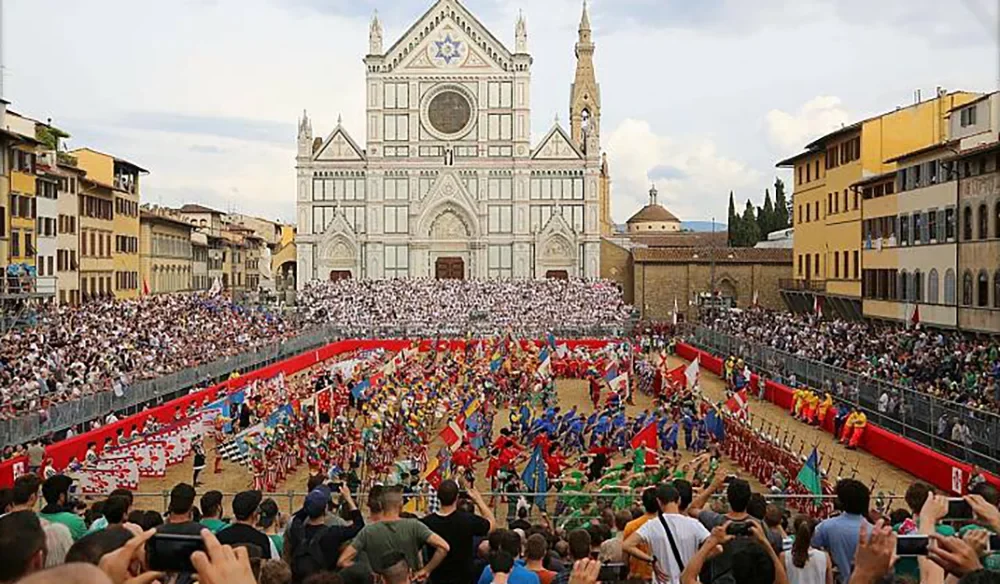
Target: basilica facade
column 449, row 183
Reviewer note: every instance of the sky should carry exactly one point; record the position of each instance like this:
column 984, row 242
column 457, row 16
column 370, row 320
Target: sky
column 700, row 97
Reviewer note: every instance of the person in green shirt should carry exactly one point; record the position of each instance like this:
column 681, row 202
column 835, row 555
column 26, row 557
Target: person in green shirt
column 268, row 523
column 211, row 512
column 58, row 507
column 916, row 495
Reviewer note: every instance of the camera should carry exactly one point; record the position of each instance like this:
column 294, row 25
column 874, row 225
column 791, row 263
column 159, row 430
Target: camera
column 171, row 552
column 739, row 529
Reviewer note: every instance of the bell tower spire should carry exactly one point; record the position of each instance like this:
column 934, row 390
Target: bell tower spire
column 585, row 93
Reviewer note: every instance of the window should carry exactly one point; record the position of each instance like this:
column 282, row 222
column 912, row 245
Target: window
column 831, row 204
column 904, row 286
column 15, row 243
column 808, row 213
column 996, row 289
column 499, row 94
column 499, row 219
column 799, row 172
column 3, row 222
column 984, row 222
column 800, row 264
column 816, row 262
column 996, row 221
column 932, row 287
column 968, row 116
column 500, row 261
column 983, row 290
column 396, row 128
column 857, row 265
column 932, row 226
column 808, row 172
column 846, row 271
column 967, row 224
column 499, row 126
column 397, row 219
column 800, row 214
column 836, row 264
column 949, row 287
column 29, row 247
column 816, row 210
column 816, row 173
column 397, row 261
column 396, row 96
column 499, row 188
column 918, row 287
column 967, row 289
column 949, row 224
column 397, row 189
column 904, row 230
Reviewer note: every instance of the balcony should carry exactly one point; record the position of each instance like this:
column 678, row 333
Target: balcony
column 802, row 285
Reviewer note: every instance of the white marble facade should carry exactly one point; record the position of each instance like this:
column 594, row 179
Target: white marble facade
column 449, row 183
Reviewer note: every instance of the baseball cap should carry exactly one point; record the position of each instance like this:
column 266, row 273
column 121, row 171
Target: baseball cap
column 316, row 501
column 245, row 503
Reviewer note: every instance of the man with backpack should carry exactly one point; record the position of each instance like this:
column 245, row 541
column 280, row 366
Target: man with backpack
column 312, row 546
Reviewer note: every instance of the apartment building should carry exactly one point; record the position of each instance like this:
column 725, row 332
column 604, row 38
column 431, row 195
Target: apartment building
column 199, row 261
column 827, row 205
column 165, row 251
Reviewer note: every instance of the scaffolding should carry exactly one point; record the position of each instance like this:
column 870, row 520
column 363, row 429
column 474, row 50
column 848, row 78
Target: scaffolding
column 22, row 295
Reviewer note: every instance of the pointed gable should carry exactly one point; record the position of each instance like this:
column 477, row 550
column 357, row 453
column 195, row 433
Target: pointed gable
column 556, row 145
column 448, row 37
column 339, row 147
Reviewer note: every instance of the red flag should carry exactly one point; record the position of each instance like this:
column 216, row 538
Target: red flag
column 818, row 306
column 738, row 402
column 145, row 287
column 453, row 435
column 323, row 401
column 646, row 437
column 677, row 375
column 915, row 318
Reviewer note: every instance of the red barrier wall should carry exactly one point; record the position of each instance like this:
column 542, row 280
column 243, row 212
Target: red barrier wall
column 926, row 464
column 76, row 447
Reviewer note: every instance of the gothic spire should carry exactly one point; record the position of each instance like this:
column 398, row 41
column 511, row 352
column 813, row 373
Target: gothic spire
column 585, row 19
column 375, row 35
column 521, row 34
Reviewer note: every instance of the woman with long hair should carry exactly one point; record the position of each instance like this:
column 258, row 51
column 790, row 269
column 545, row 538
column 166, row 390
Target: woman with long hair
column 805, row 564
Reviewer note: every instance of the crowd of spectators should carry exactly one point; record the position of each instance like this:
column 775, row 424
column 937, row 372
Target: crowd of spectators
column 458, row 307
column 951, row 365
column 672, row 533
column 106, row 345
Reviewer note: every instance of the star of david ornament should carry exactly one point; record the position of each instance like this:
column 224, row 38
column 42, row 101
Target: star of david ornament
column 448, row 49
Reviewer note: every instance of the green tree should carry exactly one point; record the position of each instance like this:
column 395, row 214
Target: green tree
column 749, row 232
column 782, row 207
column 765, row 216
column 732, row 222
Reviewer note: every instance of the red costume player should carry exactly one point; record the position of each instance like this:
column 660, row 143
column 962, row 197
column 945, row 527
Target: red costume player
column 595, row 392
column 463, row 461
column 555, row 462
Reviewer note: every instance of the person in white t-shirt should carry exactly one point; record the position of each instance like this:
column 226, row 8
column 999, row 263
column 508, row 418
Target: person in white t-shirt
column 688, row 535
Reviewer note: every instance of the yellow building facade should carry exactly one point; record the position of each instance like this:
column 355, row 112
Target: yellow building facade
column 165, row 253
column 117, row 180
column 828, row 206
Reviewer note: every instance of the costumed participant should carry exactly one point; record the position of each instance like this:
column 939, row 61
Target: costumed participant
column 857, row 429
column 823, row 409
column 463, row 461
column 199, row 460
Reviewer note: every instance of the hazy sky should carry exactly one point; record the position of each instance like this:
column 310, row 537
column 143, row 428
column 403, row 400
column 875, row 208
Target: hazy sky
column 700, row 96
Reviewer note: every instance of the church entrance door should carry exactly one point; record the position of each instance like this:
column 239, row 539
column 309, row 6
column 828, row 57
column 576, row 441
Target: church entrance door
column 449, row 269
column 557, row 275
column 340, row 275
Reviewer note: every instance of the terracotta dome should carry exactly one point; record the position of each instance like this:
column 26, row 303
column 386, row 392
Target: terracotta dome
column 653, row 212
column 653, row 217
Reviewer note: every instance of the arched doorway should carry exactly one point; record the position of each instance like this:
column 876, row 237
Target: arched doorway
column 557, row 275
column 336, row 275
column 449, row 268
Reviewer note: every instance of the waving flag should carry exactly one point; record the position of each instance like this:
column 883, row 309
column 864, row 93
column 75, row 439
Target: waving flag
column 737, row 404
column 715, row 425
column 535, row 478
column 692, row 371
column 645, row 444
column 433, row 473
column 544, row 363
column 611, row 372
column 677, row 375
column 818, row 306
column 809, row 475
column 551, row 340
column 619, row 384
column 359, row 389
column 453, row 435
column 496, row 362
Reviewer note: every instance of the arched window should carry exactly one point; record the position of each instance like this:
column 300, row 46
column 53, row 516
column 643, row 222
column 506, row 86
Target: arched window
column 932, row 287
column 983, row 290
column 967, row 224
column 967, row 289
column 996, row 289
column 996, row 220
column 918, row 287
column 949, row 287
column 903, row 286
column 984, row 222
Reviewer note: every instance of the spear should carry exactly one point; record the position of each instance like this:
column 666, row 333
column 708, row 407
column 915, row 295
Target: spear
column 840, row 471
column 854, row 471
column 829, row 464
column 802, row 446
column 784, row 439
column 871, row 489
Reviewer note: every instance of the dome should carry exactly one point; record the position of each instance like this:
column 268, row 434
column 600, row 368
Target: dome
column 653, row 213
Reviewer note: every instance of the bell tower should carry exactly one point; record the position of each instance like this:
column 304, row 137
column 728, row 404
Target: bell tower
column 585, row 94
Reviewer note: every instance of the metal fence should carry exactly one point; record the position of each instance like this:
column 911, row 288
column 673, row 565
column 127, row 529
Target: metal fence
column 916, row 415
column 136, row 395
column 561, row 507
